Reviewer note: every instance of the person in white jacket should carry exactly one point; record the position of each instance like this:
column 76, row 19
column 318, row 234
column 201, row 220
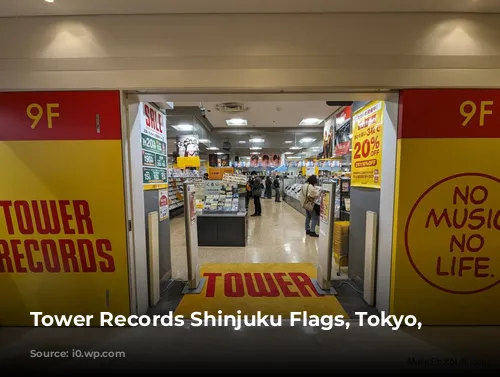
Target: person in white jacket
column 310, row 191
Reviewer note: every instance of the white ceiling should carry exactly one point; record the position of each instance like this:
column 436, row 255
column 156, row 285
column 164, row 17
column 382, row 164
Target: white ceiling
column 14, row 8
column 269, row 114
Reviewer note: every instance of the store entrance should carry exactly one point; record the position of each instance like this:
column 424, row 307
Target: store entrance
column 253, row 163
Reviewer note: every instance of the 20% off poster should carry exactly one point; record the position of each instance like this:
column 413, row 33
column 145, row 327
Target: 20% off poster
column 368, row 124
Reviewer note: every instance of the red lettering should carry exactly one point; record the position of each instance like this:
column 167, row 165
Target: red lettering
column 433, row 216
column 462, row 266
column 87, row 257
column 30, row 246
column 50, row 256
column 68, row 256
column 23, row 215
column 102, row 247
column 47, row 222
column 66, row 217
column 5, row 204
column 284, row 284
column 478, row 267
column 17, row 256
column 5, row 262
column 82, row 217
column 303, row 281
column 211, row 280
column 439, row 272
column 262, row 290
column 233, row 290
column 146, row 112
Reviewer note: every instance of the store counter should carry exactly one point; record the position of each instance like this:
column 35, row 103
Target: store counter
column 222, row 229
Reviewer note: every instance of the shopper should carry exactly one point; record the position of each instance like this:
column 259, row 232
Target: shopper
column 308, row 195
column 248, row 194
column 256, row 193
column 276, row 184
column 269, row 188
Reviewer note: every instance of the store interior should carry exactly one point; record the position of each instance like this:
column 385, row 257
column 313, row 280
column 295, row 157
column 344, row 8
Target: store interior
column 216, row 146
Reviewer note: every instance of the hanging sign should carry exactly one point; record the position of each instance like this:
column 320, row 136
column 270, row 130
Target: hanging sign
column 447, row 235
column 367, row 131
column 154, row 147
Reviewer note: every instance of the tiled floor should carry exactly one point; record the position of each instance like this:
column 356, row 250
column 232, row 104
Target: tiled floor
column 277, row 236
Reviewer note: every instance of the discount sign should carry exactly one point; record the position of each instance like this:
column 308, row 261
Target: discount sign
column 367, row 145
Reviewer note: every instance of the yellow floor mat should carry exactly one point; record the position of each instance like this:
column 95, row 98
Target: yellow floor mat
column 273, row 289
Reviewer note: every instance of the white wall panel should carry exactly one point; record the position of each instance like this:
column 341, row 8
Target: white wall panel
column 231, row 52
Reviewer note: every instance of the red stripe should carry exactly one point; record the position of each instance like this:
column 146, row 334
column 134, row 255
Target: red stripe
column 437, row 113
column 74, row 115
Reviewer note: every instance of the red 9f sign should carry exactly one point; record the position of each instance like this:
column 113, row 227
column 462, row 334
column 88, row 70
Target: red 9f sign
column 459, row 113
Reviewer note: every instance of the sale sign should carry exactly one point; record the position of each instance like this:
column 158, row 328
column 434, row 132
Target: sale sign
column 446, row 260
column 62, row 216
column 367, row 130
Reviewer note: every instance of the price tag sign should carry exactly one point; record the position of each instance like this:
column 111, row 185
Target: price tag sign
column 368, row 126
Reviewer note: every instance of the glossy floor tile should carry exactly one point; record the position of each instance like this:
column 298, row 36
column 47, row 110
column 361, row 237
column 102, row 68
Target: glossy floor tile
column 278, row 236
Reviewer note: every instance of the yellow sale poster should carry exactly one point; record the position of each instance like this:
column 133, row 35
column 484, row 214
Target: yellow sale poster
column 367, row 131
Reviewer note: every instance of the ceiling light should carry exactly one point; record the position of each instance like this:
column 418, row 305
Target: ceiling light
column 213, row 149
column 294, row 157
column 310, row 122
column 295, row 148
column 288, row 142
column 219, row 153
column 242, row 141
column 255, row 153
column 288, row 152
column 307, row 140
column 255, row 148
column 204, row 141
column 184, row 127
column 257, row 140
column 49, row 1
column 236, row 122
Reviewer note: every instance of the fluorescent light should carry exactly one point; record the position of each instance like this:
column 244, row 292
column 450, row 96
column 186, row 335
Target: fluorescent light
column 294, row 157
column 49, row 1
column 255, row 148
column 213, row 149
column 310, row 122
column 219, row 153
column 246, row 157
column 204, row 141
column 295, row 148
column 288, row 142
column 255, row 153
column 307, row 140
column 236, row 122
column 242, row 141
column 288, row 152
column 184, row 127
column 257, row 140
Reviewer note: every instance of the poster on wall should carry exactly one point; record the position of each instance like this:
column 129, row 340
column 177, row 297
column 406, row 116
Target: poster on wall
column 224, row 160
column 367, row 131
column 163, row 204
column 342, row 139
column 188, row 146
column 61, row 237
column 154, row 147
column 328, row 137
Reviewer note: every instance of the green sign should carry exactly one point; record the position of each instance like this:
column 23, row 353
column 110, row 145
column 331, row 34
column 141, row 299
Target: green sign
column 161, row 161
column 148, row 159
column 153, row 175
column 153, row 145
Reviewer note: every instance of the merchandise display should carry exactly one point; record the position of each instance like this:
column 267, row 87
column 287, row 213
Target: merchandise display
column 176, row 179
column 218, row 196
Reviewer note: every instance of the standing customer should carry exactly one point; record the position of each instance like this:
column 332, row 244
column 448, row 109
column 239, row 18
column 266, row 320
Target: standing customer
column 308, row 196
column 256, row 193
column 276, row 185
column 269, row 188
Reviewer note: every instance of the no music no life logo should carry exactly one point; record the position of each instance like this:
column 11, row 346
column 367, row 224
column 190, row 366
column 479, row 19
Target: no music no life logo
column 452, row 234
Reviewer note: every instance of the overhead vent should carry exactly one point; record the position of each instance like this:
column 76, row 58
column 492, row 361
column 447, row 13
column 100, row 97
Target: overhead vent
column 231, row 107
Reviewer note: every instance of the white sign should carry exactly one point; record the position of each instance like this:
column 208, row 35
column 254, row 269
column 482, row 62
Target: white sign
column 163, row 204
column 238, row 179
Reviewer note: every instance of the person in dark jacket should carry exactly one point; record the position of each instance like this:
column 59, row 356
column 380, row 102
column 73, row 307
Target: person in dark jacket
column 256, row 193
column 276, row 184
column 269, row 188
